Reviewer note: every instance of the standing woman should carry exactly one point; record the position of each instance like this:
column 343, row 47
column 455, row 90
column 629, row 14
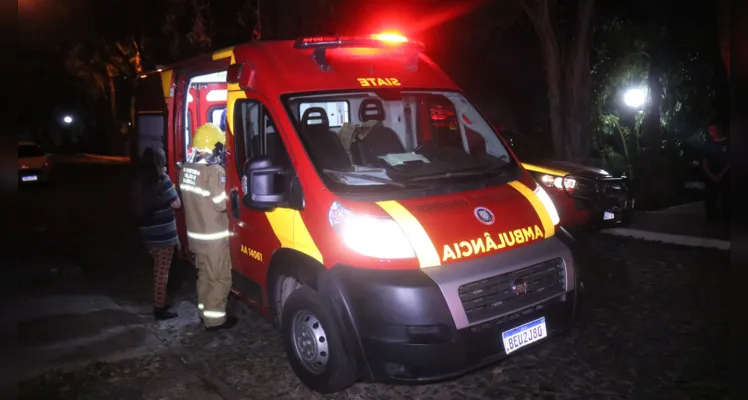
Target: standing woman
column 155, row 199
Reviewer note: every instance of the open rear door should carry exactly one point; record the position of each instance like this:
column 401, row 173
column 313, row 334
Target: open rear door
column 182, row 126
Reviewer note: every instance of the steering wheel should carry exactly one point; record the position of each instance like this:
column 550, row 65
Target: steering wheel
column 426, row 146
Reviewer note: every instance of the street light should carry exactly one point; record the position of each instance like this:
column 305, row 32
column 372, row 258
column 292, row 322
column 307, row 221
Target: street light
column 635, row 98
column 67, row 119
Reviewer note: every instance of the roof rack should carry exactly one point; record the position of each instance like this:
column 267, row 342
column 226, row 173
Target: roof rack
column 320, row 44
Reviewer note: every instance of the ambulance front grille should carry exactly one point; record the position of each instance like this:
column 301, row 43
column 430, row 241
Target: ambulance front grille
column 439, row 206
column 496, row 295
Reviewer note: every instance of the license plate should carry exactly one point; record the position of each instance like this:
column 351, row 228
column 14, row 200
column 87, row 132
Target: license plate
column 607, row 216
column 29, row 178
column 523, row 335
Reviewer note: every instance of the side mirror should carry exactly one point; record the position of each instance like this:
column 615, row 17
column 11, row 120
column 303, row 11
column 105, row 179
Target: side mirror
column 296, row 195
column 263, row 184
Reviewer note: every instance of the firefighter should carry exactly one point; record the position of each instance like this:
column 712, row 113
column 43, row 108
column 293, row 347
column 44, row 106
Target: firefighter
column 202, row 181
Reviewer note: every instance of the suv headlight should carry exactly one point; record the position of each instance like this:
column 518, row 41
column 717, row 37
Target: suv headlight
column 378, row 237
column 558, row 182
column 548, row 204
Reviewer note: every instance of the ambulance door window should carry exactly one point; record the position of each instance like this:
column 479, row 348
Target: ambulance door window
column 274, row 147
column 247, row 142
column 276, row 150
column 216, row 115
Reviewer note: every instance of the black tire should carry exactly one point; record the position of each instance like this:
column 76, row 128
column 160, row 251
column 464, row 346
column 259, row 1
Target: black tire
column 338, row 374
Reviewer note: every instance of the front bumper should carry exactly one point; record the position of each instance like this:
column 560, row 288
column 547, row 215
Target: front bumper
column 411, row 326
column 606, row 201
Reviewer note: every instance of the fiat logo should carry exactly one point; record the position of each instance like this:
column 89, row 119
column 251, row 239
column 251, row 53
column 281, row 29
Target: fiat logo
column 519, row 287
column 484, row 215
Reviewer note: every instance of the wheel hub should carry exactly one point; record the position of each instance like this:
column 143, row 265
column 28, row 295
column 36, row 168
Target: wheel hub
column 310, row 342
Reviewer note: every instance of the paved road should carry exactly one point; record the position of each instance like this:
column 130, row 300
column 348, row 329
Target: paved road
column 652, row 323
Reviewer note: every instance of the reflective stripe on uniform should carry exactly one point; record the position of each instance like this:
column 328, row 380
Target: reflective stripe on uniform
column 208, row 236
column 194, row 189
column 221, row 197
column 200, row 306
column 213, row 314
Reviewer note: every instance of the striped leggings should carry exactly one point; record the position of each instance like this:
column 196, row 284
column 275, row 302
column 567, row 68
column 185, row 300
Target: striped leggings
column 161, row 263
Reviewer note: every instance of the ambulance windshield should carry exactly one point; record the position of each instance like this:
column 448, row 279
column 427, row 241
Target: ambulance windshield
column 396, row 137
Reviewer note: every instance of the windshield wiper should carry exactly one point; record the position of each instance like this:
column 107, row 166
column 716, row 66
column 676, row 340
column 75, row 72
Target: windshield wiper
column 363, row 177
column 461, row 174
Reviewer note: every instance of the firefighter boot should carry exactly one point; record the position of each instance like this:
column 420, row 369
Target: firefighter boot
column 230, row 323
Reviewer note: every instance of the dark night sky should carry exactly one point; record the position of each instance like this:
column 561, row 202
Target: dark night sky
column 492, row 52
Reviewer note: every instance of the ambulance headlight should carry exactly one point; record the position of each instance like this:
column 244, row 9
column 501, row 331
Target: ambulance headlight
column 368, row 235
column 548, row 204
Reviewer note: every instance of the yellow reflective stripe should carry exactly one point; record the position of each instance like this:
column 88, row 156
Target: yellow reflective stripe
column 214, row 314
column 419, row 239
column 227, row 53
column 281, row 220
column 166, row 81
column 231, row 98
column 303, row 241
column 221, row 197
column 544, row 170
column 194, row 189
column 292, row 233
column 545, row 218
column 208, row 236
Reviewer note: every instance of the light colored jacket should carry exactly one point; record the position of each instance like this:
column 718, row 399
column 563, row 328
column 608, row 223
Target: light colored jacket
column 204, row 197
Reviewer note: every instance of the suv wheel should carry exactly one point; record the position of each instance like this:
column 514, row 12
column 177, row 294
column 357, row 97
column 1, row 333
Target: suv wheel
column 313, row 342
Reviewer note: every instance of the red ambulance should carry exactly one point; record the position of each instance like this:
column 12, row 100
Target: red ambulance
column 376, row 218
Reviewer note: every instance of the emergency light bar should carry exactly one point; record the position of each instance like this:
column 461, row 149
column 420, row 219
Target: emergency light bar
column 378, row 40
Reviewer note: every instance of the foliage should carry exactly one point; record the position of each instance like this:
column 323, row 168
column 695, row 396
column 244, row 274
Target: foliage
column 680, row 59
column 96, row 64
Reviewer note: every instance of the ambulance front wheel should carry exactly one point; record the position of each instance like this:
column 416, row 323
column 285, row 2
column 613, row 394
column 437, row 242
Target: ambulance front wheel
column 313, row 343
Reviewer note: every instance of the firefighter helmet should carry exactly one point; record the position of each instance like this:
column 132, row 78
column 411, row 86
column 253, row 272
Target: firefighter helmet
column 207, row 136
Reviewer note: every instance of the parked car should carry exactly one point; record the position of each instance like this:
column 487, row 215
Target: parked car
column 585, row 196
column 34, row 165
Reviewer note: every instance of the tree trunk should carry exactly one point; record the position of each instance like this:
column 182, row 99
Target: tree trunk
column 539, row 13
column 131, row 125
column 724, row 33
column 112, row 99
column 651, row 125
column 578, row 86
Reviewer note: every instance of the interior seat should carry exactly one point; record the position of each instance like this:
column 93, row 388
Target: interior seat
column 380, row 141
column 326, row 148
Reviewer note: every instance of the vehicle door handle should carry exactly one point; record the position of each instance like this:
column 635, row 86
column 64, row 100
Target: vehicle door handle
column 235, row 204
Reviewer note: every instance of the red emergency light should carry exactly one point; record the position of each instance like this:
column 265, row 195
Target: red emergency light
column 376, row 40
column 393, row 41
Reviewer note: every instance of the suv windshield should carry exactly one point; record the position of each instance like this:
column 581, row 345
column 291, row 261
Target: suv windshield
column 526, row 148
column 29, row 150
column 396, row 137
